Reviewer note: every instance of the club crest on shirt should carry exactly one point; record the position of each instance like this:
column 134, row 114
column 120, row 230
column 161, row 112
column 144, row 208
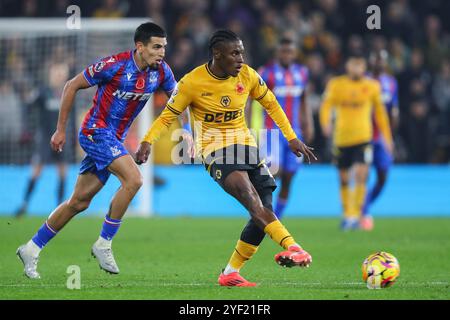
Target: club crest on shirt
column 240, row 88
column 140, row 83
column 225, row 101
column 218, row 174
column 99, row 66
column 152, row 77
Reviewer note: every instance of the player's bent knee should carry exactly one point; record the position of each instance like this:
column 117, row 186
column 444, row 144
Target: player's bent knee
column 135, row 182
column 78, row 204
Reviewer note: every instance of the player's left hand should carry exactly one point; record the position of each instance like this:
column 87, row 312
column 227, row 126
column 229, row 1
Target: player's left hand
column 142, row 153
column 299, row 148
column 190, row 143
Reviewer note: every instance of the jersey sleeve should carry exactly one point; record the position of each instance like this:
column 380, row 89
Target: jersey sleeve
column 168, row 83
column 261, row 93
column 102, row 71
column 178, row 102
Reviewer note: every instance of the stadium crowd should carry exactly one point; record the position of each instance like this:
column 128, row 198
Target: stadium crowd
column 416, row 34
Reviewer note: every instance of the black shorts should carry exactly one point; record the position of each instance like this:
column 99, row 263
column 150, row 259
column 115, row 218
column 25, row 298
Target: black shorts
column 345, row 157
column 221, row 163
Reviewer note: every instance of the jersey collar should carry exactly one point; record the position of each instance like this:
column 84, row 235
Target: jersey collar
column 212, row 74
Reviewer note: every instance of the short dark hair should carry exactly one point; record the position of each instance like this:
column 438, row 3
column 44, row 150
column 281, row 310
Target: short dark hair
column 356, row 55
column 147, row 30
column 221, row 36
column 286, row 41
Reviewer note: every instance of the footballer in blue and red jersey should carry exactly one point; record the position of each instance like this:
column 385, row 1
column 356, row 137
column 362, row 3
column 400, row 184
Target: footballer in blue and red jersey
column 382, row 159
column 288, row 81
column 123, row 90
column 288, row 85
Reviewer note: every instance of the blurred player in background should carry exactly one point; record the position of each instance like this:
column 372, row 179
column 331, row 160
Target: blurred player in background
column 382, row 159
column 216, row 93
column 355, row 98
column 288, row 80
column 125, row 82
column 48, row 103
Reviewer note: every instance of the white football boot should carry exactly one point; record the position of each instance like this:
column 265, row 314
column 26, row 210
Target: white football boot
column 104, row 256
column 29, row 261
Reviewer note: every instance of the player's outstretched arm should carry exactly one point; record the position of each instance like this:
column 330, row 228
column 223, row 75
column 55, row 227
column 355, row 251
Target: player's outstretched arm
column 68, row 96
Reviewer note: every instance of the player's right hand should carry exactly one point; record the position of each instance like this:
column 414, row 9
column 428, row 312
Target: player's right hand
column 58, row 140
column 143, row 152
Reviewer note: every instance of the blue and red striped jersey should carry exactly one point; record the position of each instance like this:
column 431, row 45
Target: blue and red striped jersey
column 123, row 90
column 288, row 85
column 389, row 92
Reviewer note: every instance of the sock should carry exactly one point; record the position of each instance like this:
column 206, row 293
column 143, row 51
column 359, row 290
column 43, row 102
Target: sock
column 279, row 208
column 33, row 248
column 279, row 234
column 61, row 186
column 347, row 202
column 360, row 195
column 242, row 252
column 110, row 228
column 103, row 243
column 44, row 235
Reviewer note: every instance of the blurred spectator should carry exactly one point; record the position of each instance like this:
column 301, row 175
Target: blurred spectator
column 111, row 9
column 10, row 109
column 418, row 138
column 415, row 33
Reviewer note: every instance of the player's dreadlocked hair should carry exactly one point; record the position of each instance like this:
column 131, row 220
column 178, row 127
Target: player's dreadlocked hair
column 221, row 36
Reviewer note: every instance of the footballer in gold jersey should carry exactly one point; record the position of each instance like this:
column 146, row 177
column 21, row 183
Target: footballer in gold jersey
column 354, row 98
column 216, row 93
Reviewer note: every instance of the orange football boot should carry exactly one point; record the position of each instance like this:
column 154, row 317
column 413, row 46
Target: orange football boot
column 293, row 256
column 234, row 279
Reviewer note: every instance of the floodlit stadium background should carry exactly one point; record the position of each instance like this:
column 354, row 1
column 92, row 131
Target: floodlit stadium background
column 415, row 33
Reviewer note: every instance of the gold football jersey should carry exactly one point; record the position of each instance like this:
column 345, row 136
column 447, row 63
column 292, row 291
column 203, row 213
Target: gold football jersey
column 217, row 107
column 354, row 103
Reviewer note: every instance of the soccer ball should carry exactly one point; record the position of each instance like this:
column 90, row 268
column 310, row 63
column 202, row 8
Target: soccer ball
column 380, row 270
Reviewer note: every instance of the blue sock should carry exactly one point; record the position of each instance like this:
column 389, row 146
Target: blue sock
column 279, row 208
column 110, row 228
column 44, row 235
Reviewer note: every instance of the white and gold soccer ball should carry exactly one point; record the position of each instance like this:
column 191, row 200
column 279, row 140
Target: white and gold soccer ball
column 380, row 270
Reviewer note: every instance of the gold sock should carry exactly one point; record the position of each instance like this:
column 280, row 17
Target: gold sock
column 279, row 234
column 360, row 196
column 347, row 201
column 242, row 252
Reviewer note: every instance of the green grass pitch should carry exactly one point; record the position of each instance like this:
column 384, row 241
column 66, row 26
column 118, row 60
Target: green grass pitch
column 180, row 258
